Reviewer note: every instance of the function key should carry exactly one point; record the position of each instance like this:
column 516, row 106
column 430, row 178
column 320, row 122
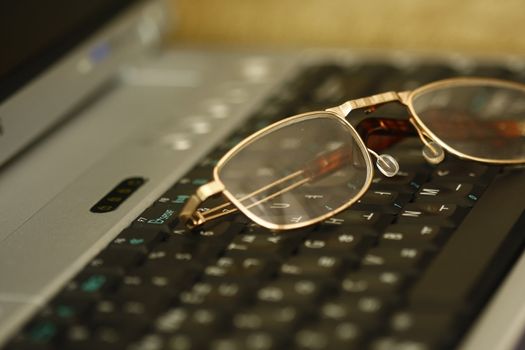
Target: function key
column 162, row 217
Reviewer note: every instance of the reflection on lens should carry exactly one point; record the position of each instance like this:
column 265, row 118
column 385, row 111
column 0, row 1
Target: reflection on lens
column 484, row 120
column 299, row 171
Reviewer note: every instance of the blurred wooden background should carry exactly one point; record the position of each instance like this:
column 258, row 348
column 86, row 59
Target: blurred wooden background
column 461, row 25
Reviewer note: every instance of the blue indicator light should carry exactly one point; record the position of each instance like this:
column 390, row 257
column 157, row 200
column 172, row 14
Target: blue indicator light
column 99, row 52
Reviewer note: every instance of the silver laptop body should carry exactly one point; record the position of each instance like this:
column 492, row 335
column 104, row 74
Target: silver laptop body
column 85, row 124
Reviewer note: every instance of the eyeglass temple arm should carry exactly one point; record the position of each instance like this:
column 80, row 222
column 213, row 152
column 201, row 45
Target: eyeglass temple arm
column 189, row 213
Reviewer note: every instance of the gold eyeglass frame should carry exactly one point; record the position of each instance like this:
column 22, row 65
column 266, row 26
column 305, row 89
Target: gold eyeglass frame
column 193, row 217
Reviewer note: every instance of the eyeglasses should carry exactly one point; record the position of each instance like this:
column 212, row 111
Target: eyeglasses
column 305, row 168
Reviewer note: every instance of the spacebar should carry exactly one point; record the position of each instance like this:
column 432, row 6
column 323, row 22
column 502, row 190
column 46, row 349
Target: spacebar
column 469, row 265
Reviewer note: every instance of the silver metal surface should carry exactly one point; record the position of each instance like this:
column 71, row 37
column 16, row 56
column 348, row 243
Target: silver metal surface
column 502, row 323
column 35, row 108
column 129, row 132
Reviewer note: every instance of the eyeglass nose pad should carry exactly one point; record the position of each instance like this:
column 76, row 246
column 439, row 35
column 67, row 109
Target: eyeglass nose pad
column 433, row 153
column 387, row 165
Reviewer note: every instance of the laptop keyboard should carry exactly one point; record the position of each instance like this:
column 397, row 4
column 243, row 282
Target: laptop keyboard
column 376, row 276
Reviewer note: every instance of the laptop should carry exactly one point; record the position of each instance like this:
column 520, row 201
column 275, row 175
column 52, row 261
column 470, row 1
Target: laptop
column 105, row 133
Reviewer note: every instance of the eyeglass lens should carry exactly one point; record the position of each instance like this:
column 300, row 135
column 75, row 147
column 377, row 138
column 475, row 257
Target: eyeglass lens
column 482, row 121
column 298, row 171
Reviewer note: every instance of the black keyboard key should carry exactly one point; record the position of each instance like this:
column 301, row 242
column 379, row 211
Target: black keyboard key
column 492, row 71
column 177, row 196
column 400, row 343
column 229, row 268
column 192, row 320
column 211, row 238
column 103, row 338
column 373, row 282
column 157, row 283
column 404, row 181
column 66, row 310
column 276, row 319
column 173, row 253
column 367, row 311
column 374, row 220
column 433, row 213
column 40, row 334
column 77, row 337
column 248, row 341
column 137, row 239
column 401, row 257
column 132, row 314
column 119, row 260
column 345, row 335
column 162, row 217
column 264, row 244
column 382, row 201
column 288, row 291
column 92, row 284
column 430, row 326
column 315, row 266
column 460, row 193
column 415, row 234
column 415, row 76
column 453, row 170
column 218, row 294
column 338, row 240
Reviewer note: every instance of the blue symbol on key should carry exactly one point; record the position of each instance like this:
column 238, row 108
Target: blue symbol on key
column 474, row 198
column 93, row 283
column 181, row 199
column 65, row 311
column 199, row 182
column 43, row 332
column 136, row 241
